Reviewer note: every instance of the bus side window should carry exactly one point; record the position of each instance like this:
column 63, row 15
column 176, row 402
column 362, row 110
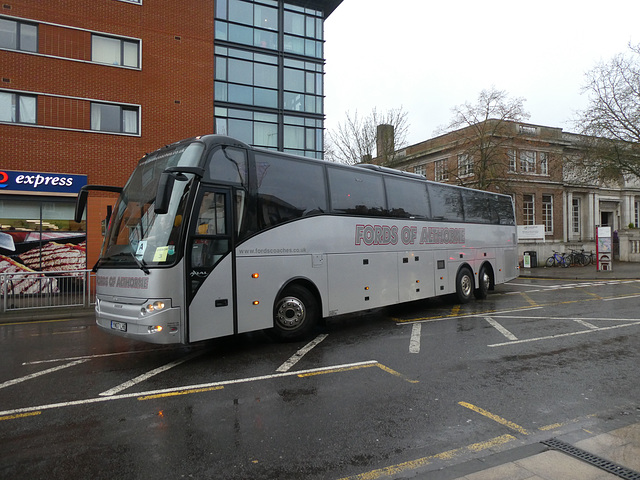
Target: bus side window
column 211, row 242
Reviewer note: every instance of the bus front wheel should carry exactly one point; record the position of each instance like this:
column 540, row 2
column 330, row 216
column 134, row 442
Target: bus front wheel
column 295, row 314
column 464, row 285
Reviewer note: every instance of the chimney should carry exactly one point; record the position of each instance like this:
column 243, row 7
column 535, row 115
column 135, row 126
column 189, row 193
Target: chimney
column 384, row 140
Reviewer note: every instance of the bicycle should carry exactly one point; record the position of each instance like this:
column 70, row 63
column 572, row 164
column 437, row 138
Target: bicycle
column 577, row 258
column 557, row 259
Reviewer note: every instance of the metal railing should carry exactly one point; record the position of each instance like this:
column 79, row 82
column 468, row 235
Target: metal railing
column 33, row 290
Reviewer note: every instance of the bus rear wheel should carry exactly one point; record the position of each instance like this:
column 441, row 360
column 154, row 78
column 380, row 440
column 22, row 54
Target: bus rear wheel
column 295, row 314
column 464, row 285
column 484, row 284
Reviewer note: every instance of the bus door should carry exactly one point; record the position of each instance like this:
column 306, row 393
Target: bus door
column 210, row 266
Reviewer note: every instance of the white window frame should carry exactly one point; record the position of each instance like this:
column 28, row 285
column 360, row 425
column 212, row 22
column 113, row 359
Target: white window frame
column 441, row 173
column 576, row 224
column 465, row 165
column 17, row 106
column 527, row 161
column 126, row 123
column 513, row 161
column 544, row 163
column 528, row 209
column 547, row 213
column 118, row 48
column 18, row 37
column 420, row 170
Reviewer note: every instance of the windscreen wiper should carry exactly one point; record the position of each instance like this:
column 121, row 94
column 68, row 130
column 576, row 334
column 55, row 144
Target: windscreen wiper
column 139, row 262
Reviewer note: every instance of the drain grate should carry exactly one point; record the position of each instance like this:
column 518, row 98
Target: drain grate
column 594, row 460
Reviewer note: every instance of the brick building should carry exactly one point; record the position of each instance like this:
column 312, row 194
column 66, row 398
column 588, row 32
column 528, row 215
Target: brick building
column 536, row 166
column 87, row 87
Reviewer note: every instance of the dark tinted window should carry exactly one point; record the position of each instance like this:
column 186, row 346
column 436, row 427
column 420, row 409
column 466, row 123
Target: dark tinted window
column 407, row 199
column 228, row 164
column 288, row 189
column 446, row 202
column 504, row 208
column 479, row 207
column 355, row 192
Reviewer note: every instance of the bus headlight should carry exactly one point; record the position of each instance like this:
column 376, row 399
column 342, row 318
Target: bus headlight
column 152, row 307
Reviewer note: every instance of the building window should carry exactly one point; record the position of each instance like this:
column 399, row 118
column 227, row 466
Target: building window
column 527, row 161
column 547, row 213
column 420, row 170
column 18, row 35
column 441, row 173
column 544, row 163
column 636, row 218
column 115, row 51
column 512, row 161
column 575, row 216
column 18, row 108
column 106, row 117
column 528, row 210
column 465, row 165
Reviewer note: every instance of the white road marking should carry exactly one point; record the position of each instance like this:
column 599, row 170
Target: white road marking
column 501, row 329
column 300, row 353
column 148, row 375
column 550, row 337
column 585, row 324
column 222, row 383
column 619, row 298
column 38, row 374
column 414, row 344
column 101, row 355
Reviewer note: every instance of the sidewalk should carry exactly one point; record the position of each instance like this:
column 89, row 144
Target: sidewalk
column 619, row 271
column 580, row 455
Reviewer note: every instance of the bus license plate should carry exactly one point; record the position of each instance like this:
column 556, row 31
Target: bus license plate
column 121, row 326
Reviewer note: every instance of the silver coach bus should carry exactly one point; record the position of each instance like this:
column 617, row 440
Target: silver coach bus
column 211, row 237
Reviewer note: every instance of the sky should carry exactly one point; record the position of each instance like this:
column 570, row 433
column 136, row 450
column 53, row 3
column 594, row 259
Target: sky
column 428, row 56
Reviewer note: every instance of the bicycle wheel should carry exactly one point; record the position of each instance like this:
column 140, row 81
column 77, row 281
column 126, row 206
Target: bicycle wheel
column 564, row 261
column 551, row 262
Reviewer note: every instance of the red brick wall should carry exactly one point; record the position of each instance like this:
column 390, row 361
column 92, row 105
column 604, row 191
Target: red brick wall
column 174, row 87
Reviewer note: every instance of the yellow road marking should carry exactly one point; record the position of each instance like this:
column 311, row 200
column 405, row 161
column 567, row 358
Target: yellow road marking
column 181, row 392
column 421, row 462
column 529, row 299
column 20, row 415
column 496, row 418
column 357, row 367
column 36, row 321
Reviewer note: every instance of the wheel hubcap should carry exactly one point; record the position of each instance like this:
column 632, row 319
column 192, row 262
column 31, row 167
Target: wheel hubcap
column 465, row 285
column 290, row 313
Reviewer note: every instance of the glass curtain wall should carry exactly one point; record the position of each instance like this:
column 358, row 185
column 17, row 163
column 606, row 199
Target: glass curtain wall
column 269, row 75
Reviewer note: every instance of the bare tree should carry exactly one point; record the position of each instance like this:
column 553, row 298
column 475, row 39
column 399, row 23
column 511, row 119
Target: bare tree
column 356, row 139
column 484, row 131
column 611, row 122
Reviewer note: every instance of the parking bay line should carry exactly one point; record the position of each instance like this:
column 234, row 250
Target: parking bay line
column 295, row 358
column 148, row 375
column 560, row 335
column 8, row 383
column 500, row 328
column 192, row 388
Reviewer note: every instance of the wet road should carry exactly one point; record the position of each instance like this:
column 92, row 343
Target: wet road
column 387, row 394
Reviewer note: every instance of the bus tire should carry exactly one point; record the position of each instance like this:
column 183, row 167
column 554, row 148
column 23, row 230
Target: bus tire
column 464, row 285
column 484, row 284
column 295, row 314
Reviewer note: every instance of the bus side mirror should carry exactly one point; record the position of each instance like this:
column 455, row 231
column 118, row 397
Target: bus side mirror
column 163, row 195
column 81, row 205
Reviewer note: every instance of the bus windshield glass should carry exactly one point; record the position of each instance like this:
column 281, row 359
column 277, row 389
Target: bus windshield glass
column 137, row 236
